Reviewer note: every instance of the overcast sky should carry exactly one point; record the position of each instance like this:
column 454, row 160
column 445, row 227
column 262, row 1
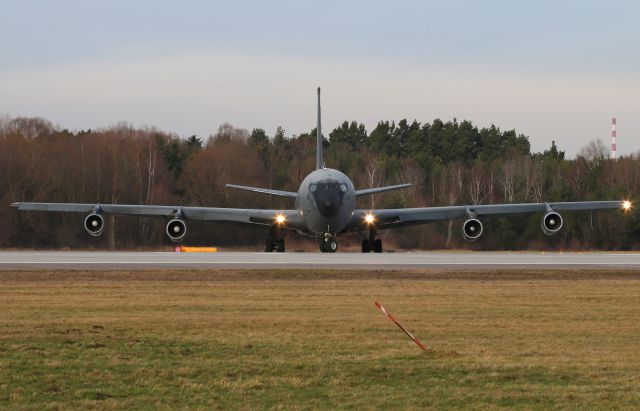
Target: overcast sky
column 553, row 70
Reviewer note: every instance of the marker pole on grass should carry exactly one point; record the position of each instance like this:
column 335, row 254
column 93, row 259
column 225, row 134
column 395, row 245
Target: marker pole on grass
column 389, row 316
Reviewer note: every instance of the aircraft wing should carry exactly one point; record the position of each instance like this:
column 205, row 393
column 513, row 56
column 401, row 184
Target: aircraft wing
column 236, row 215
column 388, row 218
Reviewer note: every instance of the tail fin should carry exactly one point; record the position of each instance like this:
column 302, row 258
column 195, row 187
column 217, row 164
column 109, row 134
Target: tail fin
column 319, row 159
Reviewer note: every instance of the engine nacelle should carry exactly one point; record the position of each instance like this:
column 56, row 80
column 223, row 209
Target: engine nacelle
column 94, row 224
column 176, row 230
column 471, row 229
column 551, row 223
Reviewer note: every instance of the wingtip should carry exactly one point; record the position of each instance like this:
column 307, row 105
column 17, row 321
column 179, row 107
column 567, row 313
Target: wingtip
column 15, row 204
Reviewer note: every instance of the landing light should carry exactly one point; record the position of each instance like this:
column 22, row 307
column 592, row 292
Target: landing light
column 369, row 218
column 280, row 219
column 626, row 205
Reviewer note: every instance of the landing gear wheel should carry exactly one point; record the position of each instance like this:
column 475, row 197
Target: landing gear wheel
column 329, row 245
column 274, row 243
column 372, row 244
column 377, row 246
column 268, row 247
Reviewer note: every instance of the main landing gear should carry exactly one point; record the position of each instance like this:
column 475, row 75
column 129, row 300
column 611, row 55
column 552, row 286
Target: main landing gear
column 328, row 245
column 274, row 243
column 372, row 244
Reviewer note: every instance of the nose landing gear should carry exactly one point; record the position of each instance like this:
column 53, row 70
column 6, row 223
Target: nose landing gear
column 328, row 245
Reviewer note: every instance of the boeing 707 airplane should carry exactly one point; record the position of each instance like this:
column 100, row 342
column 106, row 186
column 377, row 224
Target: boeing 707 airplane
column 325, row 206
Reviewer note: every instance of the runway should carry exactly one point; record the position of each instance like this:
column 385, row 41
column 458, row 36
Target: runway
column 86, row 260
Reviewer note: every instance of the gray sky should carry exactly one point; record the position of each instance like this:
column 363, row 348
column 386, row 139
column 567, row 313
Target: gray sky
column 550, row 69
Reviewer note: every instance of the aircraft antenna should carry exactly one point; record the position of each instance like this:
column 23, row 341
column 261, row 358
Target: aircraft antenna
column 319, row 160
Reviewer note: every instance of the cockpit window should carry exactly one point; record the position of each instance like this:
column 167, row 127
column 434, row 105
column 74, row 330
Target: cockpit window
column 327, row 186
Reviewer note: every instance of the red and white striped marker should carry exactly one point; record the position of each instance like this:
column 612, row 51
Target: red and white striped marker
column 391, row 317
column 614, row 152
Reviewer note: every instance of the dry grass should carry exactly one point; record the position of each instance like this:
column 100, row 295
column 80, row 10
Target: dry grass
column 289, row 339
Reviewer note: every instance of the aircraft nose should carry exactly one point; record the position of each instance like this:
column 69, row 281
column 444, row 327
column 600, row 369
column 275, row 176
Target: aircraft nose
column 328, row 202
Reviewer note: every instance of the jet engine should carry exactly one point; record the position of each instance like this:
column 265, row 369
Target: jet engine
column 94, row 224
column 551, row 223
column 176, row 230
column 471, row 229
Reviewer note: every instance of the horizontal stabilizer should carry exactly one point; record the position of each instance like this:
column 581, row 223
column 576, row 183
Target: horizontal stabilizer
column 264, row 191
column 368, row 191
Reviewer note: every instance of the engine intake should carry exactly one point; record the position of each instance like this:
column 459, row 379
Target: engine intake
column 471, row 229
column 551, row 223
column 176, row 230
column 94, row 224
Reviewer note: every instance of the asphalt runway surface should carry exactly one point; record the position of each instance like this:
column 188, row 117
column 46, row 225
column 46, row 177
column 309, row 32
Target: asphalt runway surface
column 83, row 260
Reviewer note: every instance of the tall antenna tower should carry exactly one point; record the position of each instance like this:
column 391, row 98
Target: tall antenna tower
column 614, row 155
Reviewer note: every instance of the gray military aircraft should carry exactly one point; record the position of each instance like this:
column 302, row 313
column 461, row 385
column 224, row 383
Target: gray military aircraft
column 325, row 206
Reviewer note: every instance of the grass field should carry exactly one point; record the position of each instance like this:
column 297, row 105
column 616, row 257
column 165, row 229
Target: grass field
column 289, row 339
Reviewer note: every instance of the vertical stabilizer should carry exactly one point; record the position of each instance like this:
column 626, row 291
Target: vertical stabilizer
column 319, row 159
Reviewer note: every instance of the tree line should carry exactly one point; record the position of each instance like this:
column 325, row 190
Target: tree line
column 447, row 162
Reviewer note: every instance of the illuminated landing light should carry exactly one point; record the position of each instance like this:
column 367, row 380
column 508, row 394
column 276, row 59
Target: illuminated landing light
column 369, row 218
column 280, row 219
column 626, row 205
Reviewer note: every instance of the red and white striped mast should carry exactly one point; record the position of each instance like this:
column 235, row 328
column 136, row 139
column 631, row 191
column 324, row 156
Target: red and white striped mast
column 613, row 138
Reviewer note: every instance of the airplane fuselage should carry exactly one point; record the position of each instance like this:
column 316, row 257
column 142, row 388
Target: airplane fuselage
column 326, row 201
